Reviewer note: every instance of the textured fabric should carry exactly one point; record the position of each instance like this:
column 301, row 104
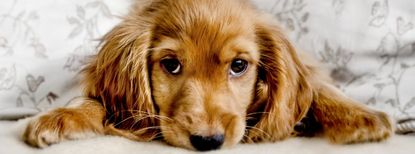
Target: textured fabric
column 406, row 125
column 369, row 46
column 43, row 45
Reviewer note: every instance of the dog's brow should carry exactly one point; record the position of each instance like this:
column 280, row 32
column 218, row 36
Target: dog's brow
column 166, row 43
column 248, row 53
column 245, row 46
column 157, row 54
column 245, row 55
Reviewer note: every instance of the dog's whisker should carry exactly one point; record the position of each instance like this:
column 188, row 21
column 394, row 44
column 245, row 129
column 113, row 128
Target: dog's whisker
column 160, row 134
column 157, row 135
column 155, row 115
column 142, row 118
column 249, row 118
column 165, row 131
column 132, row 117
column 149, row 116
column 140, row 113
column 158, row 117
column 112, row 115
column 255, row 113
column 154, row 127
column 122, row 121
column 147, row 128
column 158, row 128
column 260, row 130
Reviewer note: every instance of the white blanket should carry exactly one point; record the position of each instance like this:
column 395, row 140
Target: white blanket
column 10, row 143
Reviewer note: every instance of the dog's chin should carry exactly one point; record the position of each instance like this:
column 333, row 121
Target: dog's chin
column 178, row 136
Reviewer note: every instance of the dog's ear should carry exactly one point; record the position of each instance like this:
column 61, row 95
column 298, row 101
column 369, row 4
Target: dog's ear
column 118, row 76
column 283, row 93
column 288, row 87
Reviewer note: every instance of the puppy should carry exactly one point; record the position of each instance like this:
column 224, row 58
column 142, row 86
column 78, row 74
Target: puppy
column 205, row 74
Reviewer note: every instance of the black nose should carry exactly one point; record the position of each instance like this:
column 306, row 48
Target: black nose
column 205, row 143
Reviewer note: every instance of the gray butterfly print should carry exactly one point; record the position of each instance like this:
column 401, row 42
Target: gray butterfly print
column 380, row 11
column 403, row 26
column 7, row 77
column 34, row 83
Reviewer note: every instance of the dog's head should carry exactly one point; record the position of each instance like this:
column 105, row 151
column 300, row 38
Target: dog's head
column 204, row 73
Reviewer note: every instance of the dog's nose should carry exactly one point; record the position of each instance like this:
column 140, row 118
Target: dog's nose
column 205, row 143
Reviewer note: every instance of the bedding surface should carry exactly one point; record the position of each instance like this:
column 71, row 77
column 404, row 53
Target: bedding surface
column 10, row 143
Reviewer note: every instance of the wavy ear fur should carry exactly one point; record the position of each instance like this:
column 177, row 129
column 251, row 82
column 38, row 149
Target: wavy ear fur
column 283, row 94
column 118, row 76
column 288, row 88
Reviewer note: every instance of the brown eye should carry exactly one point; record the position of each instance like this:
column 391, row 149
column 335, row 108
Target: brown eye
column 172, row 65
column 238, row 67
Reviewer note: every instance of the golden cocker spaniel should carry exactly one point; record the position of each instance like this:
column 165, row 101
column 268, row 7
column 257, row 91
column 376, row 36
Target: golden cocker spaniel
column 205, row 74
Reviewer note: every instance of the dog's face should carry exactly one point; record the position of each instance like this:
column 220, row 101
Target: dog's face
column 196, row 70
column 203, row 79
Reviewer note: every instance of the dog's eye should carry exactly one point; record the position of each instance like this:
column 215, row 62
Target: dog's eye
column 172, row 66
column 238, row 67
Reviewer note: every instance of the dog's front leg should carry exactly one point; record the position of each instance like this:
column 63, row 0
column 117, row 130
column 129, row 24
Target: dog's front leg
column 83, row 118
column 345, row 121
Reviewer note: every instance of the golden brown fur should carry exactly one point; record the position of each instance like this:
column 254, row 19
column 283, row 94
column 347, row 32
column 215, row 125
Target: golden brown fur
column 128, row 93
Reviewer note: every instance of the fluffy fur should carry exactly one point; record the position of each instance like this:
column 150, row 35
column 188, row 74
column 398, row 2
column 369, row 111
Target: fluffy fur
column 128, row 93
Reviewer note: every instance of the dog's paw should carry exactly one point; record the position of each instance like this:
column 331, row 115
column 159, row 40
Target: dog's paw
column 363, row 128
column 57, row 126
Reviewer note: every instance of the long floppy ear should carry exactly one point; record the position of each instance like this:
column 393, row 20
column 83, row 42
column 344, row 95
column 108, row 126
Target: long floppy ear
column 289, row 89
column 118, row 77
column 283, row 94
